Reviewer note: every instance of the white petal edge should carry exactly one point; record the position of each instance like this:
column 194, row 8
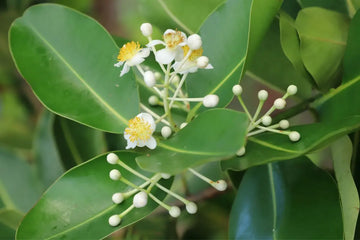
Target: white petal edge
column 151, row 143
column 154, row 43
column 118, row 64
column 136, row 60
column 209, row 66
column 165, row 56
column 167, row 31
column 125, row 69
column 130, row 144
column 149, row 119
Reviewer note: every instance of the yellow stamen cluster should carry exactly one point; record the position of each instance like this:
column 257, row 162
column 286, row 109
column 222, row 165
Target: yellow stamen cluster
column 195, row 54
column 173, row 39
column 138, row 129
column 128, row 51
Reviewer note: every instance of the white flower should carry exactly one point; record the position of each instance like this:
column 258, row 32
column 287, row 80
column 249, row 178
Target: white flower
column 190, row 65
column 173, row 41
column 140, row 130
column 131, row 54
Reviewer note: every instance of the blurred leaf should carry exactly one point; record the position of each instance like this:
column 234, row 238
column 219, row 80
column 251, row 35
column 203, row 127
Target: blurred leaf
column 337, row 104
column 6, row 232
column 19, row 187
column 281, row 74
column 46, row 154
column 342, row 152
column 73, row 75
column 286, row 200
column 291, row 7
column 230, row 35
column 10, row 218
column 201, row 141
column 335, row 5
column 270, row 147
column 77, row 143
column 323, row 34
column 79, row 204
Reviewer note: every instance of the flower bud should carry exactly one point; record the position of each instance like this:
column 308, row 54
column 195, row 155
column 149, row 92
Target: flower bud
column 284, row 124
column 194, row 41
column 266, row 120
column 237, row 90
column 174, row 211
column 117, row 198
column 153, row 100
column 191, row 208
column 211, row 100
column 114, row 220
column 279, row 103
column 292, row 90
column 165, row 131
column 112, row 158
column 220, row 185
column 149, row 78
column 294, row 136
column 241, row 152
column 140, row 199
column 115, row 174
column 263, row 95
column 202, row 62
column 165, row 175
column 146, row 29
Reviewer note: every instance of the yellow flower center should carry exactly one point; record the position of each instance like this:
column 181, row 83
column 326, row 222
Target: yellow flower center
column 195, row 54
column 128, row 51
column 173, row 39
column 138, row 129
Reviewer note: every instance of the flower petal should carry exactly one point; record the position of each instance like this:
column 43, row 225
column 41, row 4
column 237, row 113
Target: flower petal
column 135, row 60
column 179, row 54
column 165, row 56
column 118, row 64
column 149, row 119
column 145, row 52
column 209, row 66
column 130, row 144
column 151, row 143
column 155, row 42
column 125, row 69
column 167, row 31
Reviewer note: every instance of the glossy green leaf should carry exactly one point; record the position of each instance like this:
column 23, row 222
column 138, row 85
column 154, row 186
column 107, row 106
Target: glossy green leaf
column 46, row 154
column 19, row 187
column 335, row 5
column 287, row 200
column 77, row 143
column 341, row 154
column 214, row 135
column 69, row 62
column 337, row 104
column 10, row 218
column 323, row 34
column 270, row 147
column 229, row 36
column 79, row 203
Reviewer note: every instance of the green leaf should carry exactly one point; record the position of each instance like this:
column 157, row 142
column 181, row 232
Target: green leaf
column 68, row 59
column 342, row 153
column 214, row 135
column 323, row 34
column 19, row 187
column 230, row 35
column 77, row 143
column 46, row 154
column 10, row 218
column 270, row 147
column 335, row 5
column 337, row 104
column 79, row 203
column 287, row 200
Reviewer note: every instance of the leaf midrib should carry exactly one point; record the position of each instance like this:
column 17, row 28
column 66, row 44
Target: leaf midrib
column 323, row 39
column 77, row 75
column 181, row 150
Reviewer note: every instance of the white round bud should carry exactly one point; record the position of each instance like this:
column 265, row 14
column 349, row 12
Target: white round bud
column 165, row 175
column 266, row 120
column 166, row 131
column 294, row 136
column 194, row 41
column 210, row 100
column 284, row 124
column 114, row 220
column 174, row 211
column 183, row 125
column 263, row 95
column 241, row 152
column 202, row 62
column 146, row 29
column 115, row 174
column 157, row 75
column 292, row 90
column 279, row 103
column 117, row 198
column 237, row 90
column 153, row 100
column 140, row 199
column 191, row 208
column 175, row 80
column 149, row 78
column 112, row 158
column 220, row 185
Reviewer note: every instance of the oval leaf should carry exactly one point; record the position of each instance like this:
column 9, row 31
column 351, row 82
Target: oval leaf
column 79, row 203
column 68, row 59
column 214, row 135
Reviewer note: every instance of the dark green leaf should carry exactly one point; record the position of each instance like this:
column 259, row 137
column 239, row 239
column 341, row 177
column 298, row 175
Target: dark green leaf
column 323, row 34
column 214, row 135
column 270, row 147
column 10, row 218
column 68, row 59
column 341, row 153
column 230, row 35
column 79, row 204
column 287, row 200
column 335, row 5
